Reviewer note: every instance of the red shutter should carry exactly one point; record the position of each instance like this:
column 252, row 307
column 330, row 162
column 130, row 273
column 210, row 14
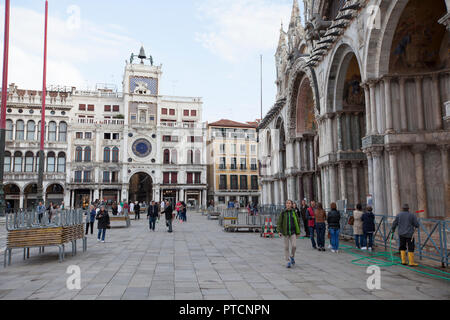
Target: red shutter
column 91, row 107
column 164, row 111
column 189, row 178
column 116, row 108
column 166, row 177
column 107, row 108
column 172, row 112
column 193, row 113
column 82, row 107
column 174, row 177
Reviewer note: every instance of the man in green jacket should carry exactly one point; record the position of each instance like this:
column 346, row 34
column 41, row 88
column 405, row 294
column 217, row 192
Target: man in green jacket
column 289, row 228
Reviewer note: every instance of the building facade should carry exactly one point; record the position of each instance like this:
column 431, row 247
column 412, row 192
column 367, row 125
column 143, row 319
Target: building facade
column 233, row 171
column 134, row 145
column 362, row 111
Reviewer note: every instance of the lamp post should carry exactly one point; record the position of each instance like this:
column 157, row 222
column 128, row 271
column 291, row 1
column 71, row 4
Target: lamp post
column 40, row 188
column 3, row 107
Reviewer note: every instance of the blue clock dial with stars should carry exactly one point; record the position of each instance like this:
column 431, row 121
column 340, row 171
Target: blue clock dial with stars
column 142, row 148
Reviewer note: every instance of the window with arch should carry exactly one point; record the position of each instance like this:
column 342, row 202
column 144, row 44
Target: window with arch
column 142, row 117
column 20, row 130
column 38, row 160
column 166, row 156
column 78, row 154
column 29, row 161
column 87, row 154
column 39, row 131
column 9, row 130
column 107, row 154
column 31, row 130
column 198, row 157
column 115, row 155
column 52, row 131
column 18, row 162
column 174, row 156
column 51, row 162
column 62, row 132
column 7, row 165
column 190, row 157
column 61, row 162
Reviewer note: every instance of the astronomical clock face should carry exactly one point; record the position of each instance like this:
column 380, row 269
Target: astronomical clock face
column 142, row 148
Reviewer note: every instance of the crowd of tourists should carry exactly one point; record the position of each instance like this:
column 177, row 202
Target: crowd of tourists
column 315, row 222
column 98, row 211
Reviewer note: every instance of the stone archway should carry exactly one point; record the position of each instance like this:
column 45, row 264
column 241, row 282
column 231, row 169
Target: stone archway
column 30, row 196
column 141, row 188
column 12, row 196
column 54, row 193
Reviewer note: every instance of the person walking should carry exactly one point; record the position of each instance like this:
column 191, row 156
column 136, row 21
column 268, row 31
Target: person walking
column 368, row 220
column 334, row 226
column 137, row 211
column 289, row 228
column 168, row 211
column 90, row 219
column 407, row 223
column 103, row 224
column 132, row 209
column 183, row 212
column 303, row 211
column 153, row 215
column 310, row 216
column 120, row 209
column 53, row 211
column 358, row 231
column 321, row 217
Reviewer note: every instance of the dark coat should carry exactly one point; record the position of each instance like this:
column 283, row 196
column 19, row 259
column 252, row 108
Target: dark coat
column 153, row 211
column 169, row 212
column 368, row 219
column 137, row 208
column 103, row 220
column 334, row 220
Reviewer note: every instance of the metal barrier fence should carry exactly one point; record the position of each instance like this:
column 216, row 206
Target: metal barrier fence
column 432, row 236
column 31, row 219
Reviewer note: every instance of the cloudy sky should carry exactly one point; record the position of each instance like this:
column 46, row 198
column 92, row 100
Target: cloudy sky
column 208, row 48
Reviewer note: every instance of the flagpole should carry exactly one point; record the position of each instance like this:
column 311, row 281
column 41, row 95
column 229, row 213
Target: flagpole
column 3, row 107
column 40, row 189
column 261, row 87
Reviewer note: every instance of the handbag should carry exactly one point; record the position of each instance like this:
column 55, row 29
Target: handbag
column 351, row 221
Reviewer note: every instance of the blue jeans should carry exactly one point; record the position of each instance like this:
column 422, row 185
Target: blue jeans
column 368, row 239
column 360, row 241
column 320, row 227
column 152, row 223
column 183, row 217
column 311, row 234
column 100, row 231
column 335, row 238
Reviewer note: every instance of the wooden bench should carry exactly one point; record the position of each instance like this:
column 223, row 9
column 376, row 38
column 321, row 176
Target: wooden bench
column 236, row 228
column 121, row 218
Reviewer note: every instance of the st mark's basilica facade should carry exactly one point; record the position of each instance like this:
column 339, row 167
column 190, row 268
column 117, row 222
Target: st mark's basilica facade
column 363, row 106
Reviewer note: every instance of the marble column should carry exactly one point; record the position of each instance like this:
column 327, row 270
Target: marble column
column 348, row 134
column 292, row 194
column 419, row 103
column 311, row 154
column 356, row 197
column 373, row 108
column 283, row 197
column 340, row 134
column 276, row 192
column 310, row 186
column 319, row 188
column 438, row 125
column 305, row 154
column 366, row 181
column 446, row 175
column 388, row 105
column 297, row 155
column 290, row 156
column 326, row 185
column 301, row 188
column 368, row 110
column 342, row 181
column 378, row 181
column 370, row 173
column 182, row 195
column 403, row 114
column 333, row 183
column 419, row 151
column 329, row 134
column 395, row 183
column 357, row 133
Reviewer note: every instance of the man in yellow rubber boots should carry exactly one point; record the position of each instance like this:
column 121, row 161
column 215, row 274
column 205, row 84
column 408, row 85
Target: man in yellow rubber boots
column 407, row 223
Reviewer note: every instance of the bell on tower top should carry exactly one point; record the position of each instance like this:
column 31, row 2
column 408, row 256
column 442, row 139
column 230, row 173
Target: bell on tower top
column 142, row 55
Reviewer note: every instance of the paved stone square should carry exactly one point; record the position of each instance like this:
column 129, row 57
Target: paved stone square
column 200, row 261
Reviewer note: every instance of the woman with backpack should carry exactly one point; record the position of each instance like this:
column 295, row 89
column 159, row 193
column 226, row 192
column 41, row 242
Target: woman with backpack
column 358, row 227
column 334, row 226
column 368, row 219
